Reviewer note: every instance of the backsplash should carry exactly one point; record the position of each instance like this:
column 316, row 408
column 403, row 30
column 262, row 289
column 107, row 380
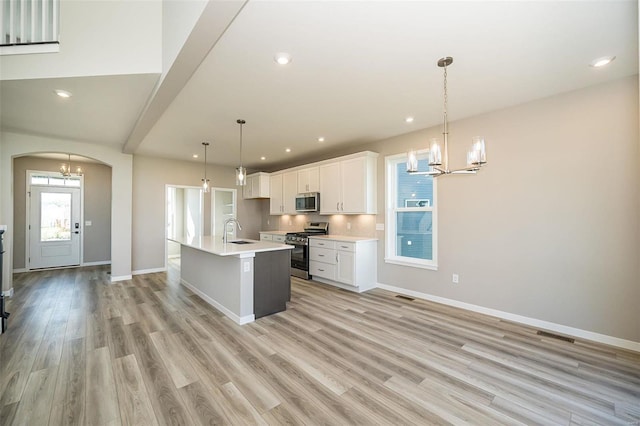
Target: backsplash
column 354, row 225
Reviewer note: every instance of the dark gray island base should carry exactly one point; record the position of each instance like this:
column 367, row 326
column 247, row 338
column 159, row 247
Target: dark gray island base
column 243, row 281
column 271, row 282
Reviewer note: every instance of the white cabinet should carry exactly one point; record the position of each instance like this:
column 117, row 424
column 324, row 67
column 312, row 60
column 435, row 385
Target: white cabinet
column 349, row 186
column 346, row 264
column 274, row 237
column 284, row 188
column 257, row 186
column 308, row 180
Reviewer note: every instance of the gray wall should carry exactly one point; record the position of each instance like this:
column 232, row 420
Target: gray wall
column 551, row 228
column 97, row 207
column 150, row 175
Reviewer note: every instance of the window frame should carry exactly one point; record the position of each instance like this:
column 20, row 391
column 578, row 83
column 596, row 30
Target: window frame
column 391, row 186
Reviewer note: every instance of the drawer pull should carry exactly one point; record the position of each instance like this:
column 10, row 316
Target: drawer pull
column 321, row 255
column 321, row 270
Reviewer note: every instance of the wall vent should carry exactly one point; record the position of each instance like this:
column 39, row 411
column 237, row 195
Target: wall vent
column 555, row 336
column 401, row 296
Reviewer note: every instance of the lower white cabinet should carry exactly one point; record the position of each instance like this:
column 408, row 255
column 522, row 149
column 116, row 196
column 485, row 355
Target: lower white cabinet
column 347, row 264
column 276, row 238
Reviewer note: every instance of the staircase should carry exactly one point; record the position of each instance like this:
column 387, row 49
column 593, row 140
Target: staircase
column 29, row 26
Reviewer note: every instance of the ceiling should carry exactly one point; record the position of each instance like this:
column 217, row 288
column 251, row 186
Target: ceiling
column 358, row 69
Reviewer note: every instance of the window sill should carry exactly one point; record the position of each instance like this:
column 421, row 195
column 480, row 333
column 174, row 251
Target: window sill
column 403, row 262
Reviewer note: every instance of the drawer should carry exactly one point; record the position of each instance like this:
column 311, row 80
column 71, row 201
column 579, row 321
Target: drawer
column 266, row 237
column 322, row 243
column 341, row 245
column 322, row 255
column 323, row 270
column 278, row 238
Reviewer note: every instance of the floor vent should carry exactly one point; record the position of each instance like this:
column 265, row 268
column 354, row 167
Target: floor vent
column 400, row 296
column 555, row 336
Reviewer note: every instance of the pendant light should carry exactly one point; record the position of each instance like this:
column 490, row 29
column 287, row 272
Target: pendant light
column 241, row 172
column 439, row 155
column 65, row 168
column 205, row 181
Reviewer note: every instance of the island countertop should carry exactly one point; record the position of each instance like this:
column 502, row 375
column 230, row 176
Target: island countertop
column 214, row 245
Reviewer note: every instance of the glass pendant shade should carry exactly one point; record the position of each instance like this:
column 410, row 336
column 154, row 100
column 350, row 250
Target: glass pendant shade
column 435, row 153
column 241, row 176
column 64, row 170
column 477, row 156
column 205, row 185
column 412, row 161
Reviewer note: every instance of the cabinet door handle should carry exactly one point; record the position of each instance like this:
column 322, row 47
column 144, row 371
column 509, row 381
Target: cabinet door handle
column 342, row 206
column 338, row 206
column 336, row 257
column 321, row 270
column 321, row 255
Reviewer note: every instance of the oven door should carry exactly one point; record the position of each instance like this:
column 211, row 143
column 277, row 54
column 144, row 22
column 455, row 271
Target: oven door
column 300, row 260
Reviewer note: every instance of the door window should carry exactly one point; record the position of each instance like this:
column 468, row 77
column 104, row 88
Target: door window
column 55, row 216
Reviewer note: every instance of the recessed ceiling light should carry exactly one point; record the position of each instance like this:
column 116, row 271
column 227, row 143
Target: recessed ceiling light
column 263, row 158
column 601, row 62
column 195, row 155
column 288, row 150
column 283, row 58
column 408, row 120
column 321, row 139
column 62, row 93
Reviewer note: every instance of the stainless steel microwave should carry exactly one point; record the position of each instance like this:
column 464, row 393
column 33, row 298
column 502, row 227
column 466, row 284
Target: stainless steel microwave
column 309, row 202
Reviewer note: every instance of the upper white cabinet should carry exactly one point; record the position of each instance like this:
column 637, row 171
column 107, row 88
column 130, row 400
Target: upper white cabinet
column 283, row 189
column 257, row 186
column 308, row 180
column 349, row 186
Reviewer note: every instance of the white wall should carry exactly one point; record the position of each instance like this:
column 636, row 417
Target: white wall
column 98, row 37
column 178, row 19
column 16, row 144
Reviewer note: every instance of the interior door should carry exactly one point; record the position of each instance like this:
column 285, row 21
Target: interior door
column 54, row 233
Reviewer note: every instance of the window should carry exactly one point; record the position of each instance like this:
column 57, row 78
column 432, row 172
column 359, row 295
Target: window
column 411, row 214
column 53, row 179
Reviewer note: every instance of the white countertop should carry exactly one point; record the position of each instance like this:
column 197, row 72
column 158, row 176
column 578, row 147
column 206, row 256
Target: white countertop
column 3, row 228
column 214, row 245
column 345, row 238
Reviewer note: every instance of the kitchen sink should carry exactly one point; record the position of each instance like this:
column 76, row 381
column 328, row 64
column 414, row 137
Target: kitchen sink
column 241, row 242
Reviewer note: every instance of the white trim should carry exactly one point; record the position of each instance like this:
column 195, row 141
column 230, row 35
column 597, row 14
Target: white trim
column 533, row 322
column 403, row 262
column 8, row 293
column 28, row 49
column 148, row 271
column 238, row 320
column 391, row 190
column 120, row 278
column 98, row 263
column 340, row 285
column 20, row 271
column 173, row 256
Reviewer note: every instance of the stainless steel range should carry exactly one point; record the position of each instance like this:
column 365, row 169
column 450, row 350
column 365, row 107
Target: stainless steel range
column 300, row 252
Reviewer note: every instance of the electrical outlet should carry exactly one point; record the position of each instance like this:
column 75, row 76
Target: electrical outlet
column 455, row 279
column 247, row 266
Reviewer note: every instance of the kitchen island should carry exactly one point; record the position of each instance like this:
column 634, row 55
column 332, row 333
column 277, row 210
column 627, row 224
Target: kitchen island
column 244, row 279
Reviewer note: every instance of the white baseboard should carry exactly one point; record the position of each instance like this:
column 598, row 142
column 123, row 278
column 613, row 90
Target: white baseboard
column 340, row 285
column 237, row 319
column 98, row 263
column 533, row 322
column 148, row 271
column 120, row 278
column 20, row 271
column 8, row 293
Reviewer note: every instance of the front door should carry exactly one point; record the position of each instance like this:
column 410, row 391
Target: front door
column 54, row 233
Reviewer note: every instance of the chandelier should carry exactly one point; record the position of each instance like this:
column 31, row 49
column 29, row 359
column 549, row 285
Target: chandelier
column 439, row 155
column 241, row 172
column 205, row 181
column 65, row 169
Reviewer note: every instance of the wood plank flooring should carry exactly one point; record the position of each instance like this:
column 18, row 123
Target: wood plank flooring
column 148, row 351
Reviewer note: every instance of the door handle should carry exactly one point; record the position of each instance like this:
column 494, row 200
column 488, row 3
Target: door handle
column 76, row 232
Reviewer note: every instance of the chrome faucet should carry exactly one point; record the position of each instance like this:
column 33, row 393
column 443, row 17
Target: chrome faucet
column 224, row 227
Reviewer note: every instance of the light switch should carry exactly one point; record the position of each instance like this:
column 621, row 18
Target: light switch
column 87, row 223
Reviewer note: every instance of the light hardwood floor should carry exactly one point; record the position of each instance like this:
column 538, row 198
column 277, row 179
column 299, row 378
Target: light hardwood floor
column 147, row 351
